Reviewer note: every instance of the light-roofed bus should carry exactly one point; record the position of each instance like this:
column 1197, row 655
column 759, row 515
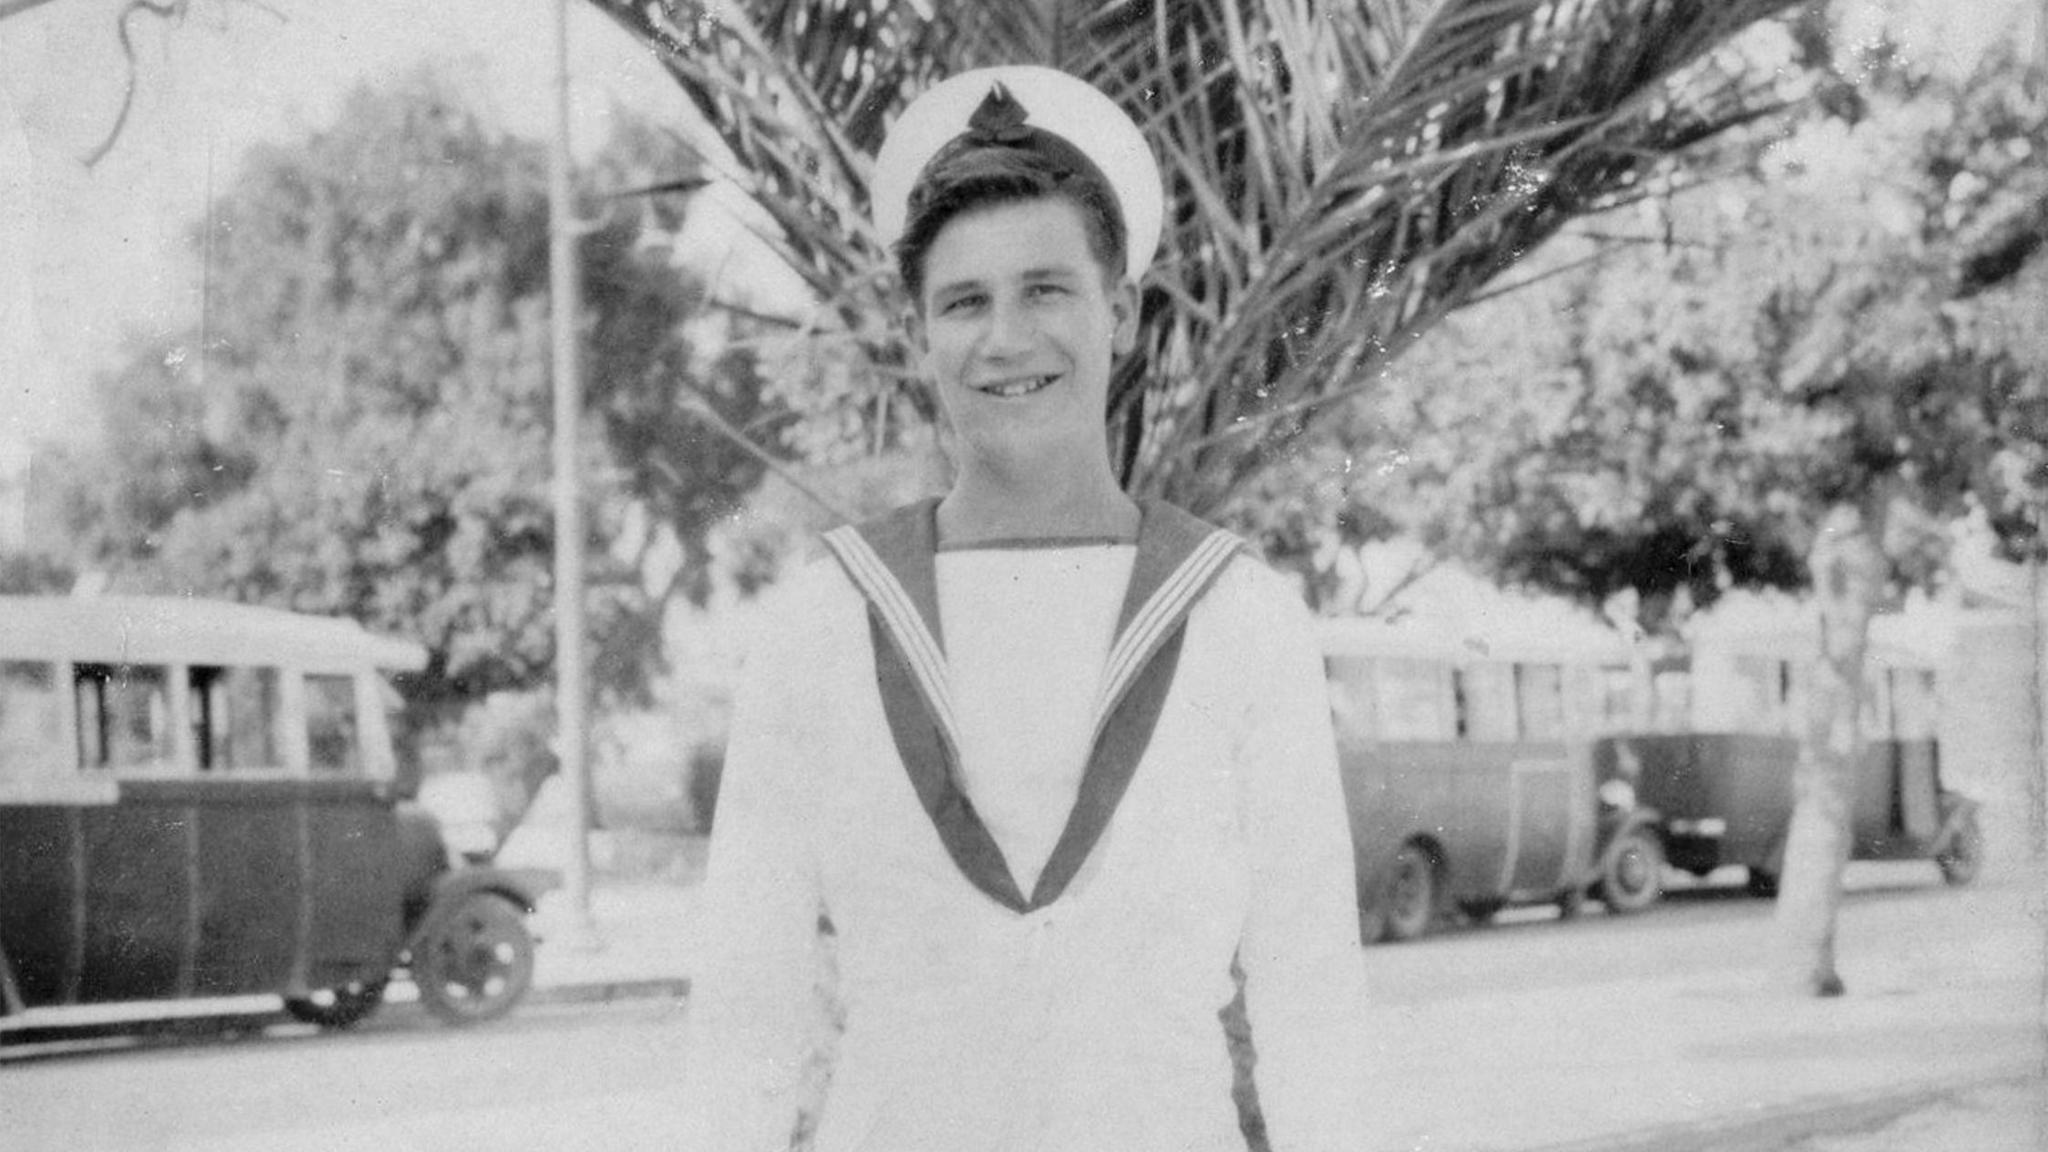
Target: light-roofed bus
column 1468, row 773
column 1719, row 766
column 201, row 799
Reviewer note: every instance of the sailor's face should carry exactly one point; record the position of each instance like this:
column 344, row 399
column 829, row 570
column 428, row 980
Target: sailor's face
column 1019, row 325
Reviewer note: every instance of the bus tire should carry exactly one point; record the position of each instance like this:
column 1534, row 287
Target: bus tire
column 344, row 1006
column 1410, row 904
column 1963, row 856
column 1482, row 911
column 476, row 962
column 1570, row 903
column 1372, row 924
column 1762, row 882
column 1632, row 871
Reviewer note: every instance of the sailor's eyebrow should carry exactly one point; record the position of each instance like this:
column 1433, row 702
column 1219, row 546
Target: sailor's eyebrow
column 973, row 281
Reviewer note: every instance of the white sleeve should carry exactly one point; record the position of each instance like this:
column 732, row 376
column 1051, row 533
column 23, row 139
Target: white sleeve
column 1304, row 970
column 757, row 987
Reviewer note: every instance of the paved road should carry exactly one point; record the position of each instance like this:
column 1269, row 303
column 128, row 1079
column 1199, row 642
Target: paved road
column 1701, row 929
column 399, row 1081
column 1714, row 1063
column 593, row 1076
column 2011, row 1116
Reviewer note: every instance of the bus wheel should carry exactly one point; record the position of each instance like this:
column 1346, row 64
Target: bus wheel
column 1570, row 903
column 477, row 963
column 1632, row 872
column 1411, row 894
column 1372, row 924
column 1963, row 858
column 340, row 1007
column 1762, row 883
column 1481, row 911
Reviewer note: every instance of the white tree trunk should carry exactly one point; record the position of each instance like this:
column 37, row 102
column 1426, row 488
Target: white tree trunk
column 1848, row 570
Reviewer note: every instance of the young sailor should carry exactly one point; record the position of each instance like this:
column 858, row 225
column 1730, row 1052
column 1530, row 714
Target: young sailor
column 1049, row 762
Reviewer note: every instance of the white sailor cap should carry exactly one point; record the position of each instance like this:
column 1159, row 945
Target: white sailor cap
column 1052, row 101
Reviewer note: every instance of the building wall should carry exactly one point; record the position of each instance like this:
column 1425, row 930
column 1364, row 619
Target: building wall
column 13, row 496
column 1992, row 705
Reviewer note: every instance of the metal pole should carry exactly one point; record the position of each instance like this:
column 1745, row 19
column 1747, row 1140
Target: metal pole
column 571, row 693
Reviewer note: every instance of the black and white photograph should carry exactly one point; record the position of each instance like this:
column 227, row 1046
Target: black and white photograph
column 1046, row 576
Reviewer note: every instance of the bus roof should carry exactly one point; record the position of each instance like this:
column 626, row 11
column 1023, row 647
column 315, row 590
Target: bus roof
column 1787, row 629
column 1548, row 641
column 181, row 630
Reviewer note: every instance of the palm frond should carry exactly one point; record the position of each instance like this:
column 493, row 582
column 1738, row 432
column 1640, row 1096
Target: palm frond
column 1341, row 174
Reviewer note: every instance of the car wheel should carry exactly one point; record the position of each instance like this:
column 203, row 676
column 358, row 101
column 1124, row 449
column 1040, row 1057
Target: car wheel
column 1411, row 894
column 477, row 962
column 1963, row 858
column 1632, row 872
column 340, row 1007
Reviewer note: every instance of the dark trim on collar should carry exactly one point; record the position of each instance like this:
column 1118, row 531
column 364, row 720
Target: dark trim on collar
column 892, row 562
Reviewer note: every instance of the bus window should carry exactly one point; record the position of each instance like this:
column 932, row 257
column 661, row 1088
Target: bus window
column 31, row 727
column 1875, row 714
column 1486, row 702
column 332, row 741
column 235, row 714
column 1414, row 700
column 124, row 716
column 1915, row 714
column 1353, row 701
column 1599, row 699
column 1672, row 705
column 1768, row 698
column 1539, row 697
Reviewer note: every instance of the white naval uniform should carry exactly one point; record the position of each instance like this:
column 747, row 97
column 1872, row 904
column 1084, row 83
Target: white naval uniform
column 1086, row 1024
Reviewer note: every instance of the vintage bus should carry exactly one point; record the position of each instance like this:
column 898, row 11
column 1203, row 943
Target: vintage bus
column 201, row 799
column 1719, row 765
column 1468, row 772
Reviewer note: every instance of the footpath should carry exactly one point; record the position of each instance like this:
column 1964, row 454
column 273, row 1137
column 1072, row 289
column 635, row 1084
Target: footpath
column 1942, row 1042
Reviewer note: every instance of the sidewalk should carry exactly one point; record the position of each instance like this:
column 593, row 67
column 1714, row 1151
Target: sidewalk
column 1700, row 1063
column 636, row 945
column 1939, row 1045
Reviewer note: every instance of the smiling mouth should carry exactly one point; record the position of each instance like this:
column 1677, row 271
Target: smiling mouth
column 1012, row 389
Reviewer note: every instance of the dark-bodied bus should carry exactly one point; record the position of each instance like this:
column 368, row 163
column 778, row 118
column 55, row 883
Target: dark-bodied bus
column 1717, row 763
column 202, row 799
column 1468, row 772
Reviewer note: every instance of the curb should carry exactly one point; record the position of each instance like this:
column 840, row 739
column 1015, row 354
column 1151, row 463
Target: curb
column 609, row 991
column 1779, row 1126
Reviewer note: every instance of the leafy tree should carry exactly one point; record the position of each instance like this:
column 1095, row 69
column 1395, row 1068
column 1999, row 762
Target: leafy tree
column 1823, row 363
column 361, row 424
column 155, row 460
column 32, row 573
column 1342, row 175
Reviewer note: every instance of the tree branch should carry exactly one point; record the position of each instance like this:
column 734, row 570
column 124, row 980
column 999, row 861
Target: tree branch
column 167, row 10
column 696, row 404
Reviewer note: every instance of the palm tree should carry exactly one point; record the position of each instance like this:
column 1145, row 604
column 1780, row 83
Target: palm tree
column 1341, row 175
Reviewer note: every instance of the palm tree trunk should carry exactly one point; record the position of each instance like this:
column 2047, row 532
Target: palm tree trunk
column 1848, row 569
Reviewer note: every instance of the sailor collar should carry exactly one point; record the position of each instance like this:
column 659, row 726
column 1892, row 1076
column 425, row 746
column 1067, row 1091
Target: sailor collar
column 891, row 561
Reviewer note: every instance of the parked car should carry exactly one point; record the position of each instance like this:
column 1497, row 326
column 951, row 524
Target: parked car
column 202, row 799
